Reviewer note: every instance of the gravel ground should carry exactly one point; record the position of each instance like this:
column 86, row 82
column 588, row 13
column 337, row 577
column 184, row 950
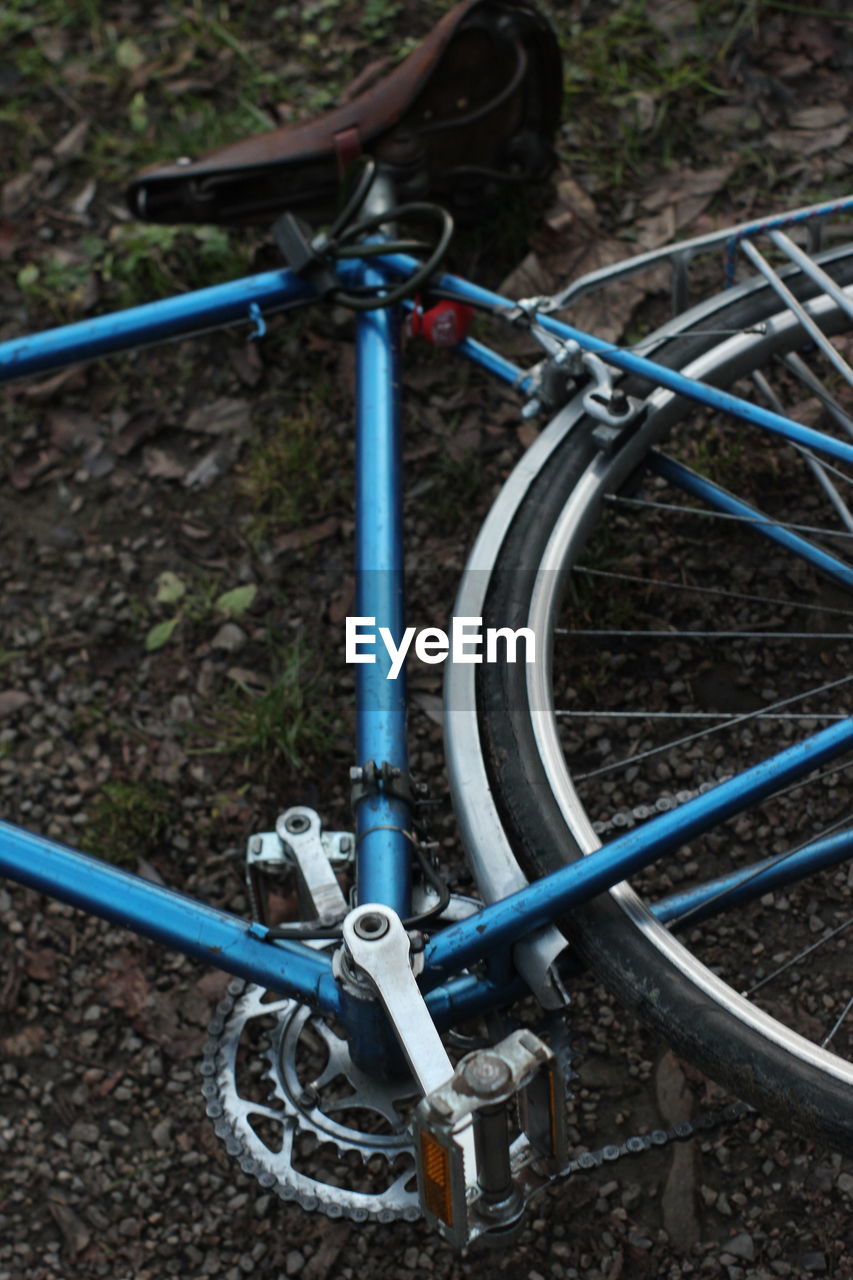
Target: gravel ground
column 115, row 475
column 110, row 1167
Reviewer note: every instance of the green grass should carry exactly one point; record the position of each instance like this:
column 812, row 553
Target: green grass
column 458, row 490
column 294, row 474
column 129, row 820
column 632, row 94
column 280, row 726
column 718, row 452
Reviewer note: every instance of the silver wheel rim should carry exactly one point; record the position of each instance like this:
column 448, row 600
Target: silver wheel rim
column 568, row 536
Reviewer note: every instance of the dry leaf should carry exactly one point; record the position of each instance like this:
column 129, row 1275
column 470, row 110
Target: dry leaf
column 307, row 537
column 126, row 988
column 215, row 463
column 84, row 197
column 71, row 143
column 823, row 116
column 226, row 416
column 70, row 428
column 38, row 391
column 160, row 465
column 254, row 679
column 800, row 143
column 141, row 427
column 16, row 192
column 74, row 1231
column 686, row 184
column 342, row 602
column 8, row 241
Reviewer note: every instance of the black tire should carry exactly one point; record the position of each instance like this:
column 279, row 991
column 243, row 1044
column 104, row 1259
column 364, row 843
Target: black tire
column 612, row 933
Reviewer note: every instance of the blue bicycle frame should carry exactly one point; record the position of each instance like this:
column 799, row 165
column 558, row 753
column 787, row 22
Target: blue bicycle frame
column 455, row 990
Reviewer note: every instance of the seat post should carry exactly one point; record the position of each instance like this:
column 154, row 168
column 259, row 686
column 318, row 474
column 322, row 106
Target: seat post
column 380, row 197
column 381, row 790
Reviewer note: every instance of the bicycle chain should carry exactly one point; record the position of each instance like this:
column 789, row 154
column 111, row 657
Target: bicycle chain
column 705, row 1123
column 623, row 818
column 708, row 1121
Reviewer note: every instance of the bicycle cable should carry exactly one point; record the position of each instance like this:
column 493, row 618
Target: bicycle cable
column 313, row 256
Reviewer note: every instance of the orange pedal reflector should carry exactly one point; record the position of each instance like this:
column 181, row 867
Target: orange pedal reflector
column 437, row 1178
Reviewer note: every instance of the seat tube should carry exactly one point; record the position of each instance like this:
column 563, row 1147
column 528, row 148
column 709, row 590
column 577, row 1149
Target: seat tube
column 383, row 855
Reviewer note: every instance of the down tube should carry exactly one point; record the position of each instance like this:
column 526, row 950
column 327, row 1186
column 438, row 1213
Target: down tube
column 168, row 917
column 382, row 814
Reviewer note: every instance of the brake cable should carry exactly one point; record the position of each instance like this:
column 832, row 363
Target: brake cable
column 313, row 256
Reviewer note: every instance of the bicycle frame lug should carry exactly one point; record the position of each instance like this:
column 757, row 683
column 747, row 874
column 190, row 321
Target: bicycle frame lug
column 370, row 779
column 525, row 309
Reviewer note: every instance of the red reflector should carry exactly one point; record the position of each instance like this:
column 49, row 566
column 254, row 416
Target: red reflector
column 444, row 325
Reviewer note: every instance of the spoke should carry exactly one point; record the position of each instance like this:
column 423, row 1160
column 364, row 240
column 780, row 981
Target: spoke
column 750, row 516
column 802, row 371
column 828, row 467
column 801, row 955
column 818, row 777
column 818, row 470
column 669, row 585
column 763, row 384
column 721, row 499
column 838, row 1023
column 727, row 724
column 706, row 635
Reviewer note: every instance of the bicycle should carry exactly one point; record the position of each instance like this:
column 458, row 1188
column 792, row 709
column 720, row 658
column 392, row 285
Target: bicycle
column 363, row 988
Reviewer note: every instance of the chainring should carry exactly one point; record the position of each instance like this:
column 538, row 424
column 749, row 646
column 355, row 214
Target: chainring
column 288, row 1102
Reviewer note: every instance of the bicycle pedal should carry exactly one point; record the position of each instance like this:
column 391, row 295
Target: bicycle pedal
column 474, row 1178
column 300, row 848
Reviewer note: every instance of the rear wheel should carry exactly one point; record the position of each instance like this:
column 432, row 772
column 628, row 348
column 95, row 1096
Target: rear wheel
column 685, row 645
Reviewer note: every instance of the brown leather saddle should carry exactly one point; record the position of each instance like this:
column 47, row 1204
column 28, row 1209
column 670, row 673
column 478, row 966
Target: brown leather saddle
column 475, row 105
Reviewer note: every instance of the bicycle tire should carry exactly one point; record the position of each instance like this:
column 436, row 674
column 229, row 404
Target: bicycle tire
column 645, row 967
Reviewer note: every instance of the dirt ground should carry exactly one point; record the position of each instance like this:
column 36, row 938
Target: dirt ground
column 175, row 569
